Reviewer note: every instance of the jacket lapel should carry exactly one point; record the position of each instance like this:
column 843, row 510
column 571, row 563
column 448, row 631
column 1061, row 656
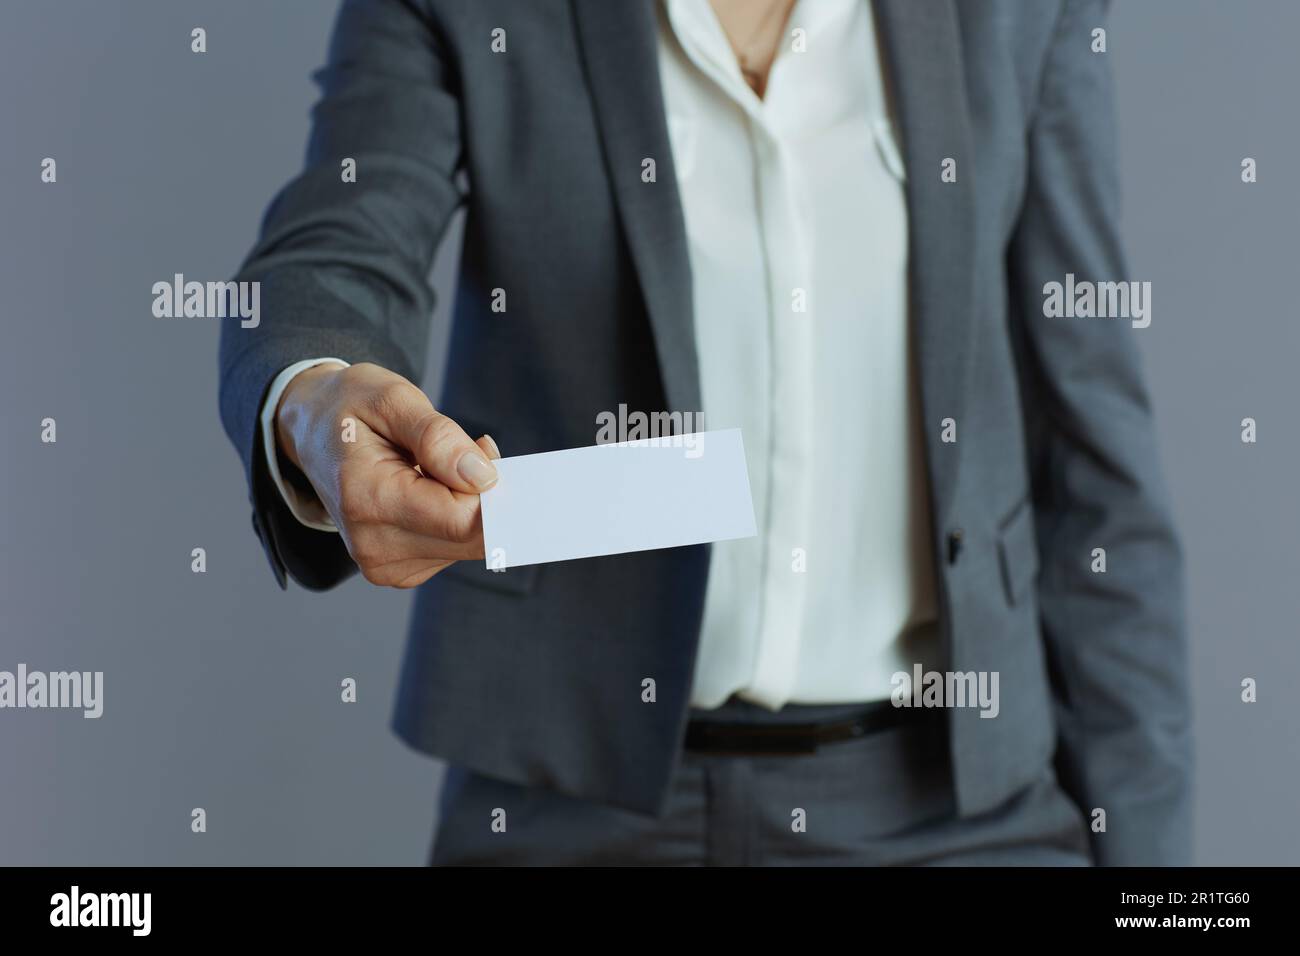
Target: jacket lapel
column 921, row 46
column 619, row 43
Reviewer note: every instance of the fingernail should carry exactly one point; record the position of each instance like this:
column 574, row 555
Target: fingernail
column 477, row 470
column 496, row 452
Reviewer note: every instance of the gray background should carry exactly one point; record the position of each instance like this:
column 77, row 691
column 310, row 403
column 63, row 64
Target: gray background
column 223, row 692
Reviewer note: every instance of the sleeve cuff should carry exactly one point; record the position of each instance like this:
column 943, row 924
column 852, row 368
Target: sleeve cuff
column 307, row 508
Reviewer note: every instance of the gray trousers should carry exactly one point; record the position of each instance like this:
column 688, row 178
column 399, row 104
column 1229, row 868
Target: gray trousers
column 880, row 800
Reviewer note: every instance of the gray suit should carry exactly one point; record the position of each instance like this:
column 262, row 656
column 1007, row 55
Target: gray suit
column 533, row 677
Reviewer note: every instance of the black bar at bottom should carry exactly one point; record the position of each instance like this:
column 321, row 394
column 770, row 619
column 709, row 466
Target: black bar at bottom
column 212, row 905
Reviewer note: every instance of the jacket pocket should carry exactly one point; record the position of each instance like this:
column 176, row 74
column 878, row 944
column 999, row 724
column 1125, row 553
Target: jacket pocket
column 1018, row 550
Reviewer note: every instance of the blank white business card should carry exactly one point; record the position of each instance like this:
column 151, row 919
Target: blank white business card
column 611, row 499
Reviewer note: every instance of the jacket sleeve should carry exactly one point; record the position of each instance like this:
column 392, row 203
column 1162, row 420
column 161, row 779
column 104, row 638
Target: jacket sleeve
column 342, row 265
column 1115, row 641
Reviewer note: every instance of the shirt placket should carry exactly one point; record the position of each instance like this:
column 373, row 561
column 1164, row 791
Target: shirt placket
column 786, row 250
column 784, row 512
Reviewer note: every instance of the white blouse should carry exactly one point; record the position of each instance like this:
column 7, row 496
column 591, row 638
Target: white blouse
column 797, row 226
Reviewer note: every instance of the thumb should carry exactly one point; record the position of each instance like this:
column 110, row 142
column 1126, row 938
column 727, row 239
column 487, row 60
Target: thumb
column 439, row 446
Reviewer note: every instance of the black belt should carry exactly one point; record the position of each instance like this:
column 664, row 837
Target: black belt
column 719, row 737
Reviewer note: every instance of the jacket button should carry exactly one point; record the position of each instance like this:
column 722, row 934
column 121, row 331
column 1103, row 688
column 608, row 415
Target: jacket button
column 955, row 537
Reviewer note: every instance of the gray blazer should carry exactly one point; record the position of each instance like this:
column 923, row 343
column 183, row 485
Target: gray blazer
column 534, row 675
